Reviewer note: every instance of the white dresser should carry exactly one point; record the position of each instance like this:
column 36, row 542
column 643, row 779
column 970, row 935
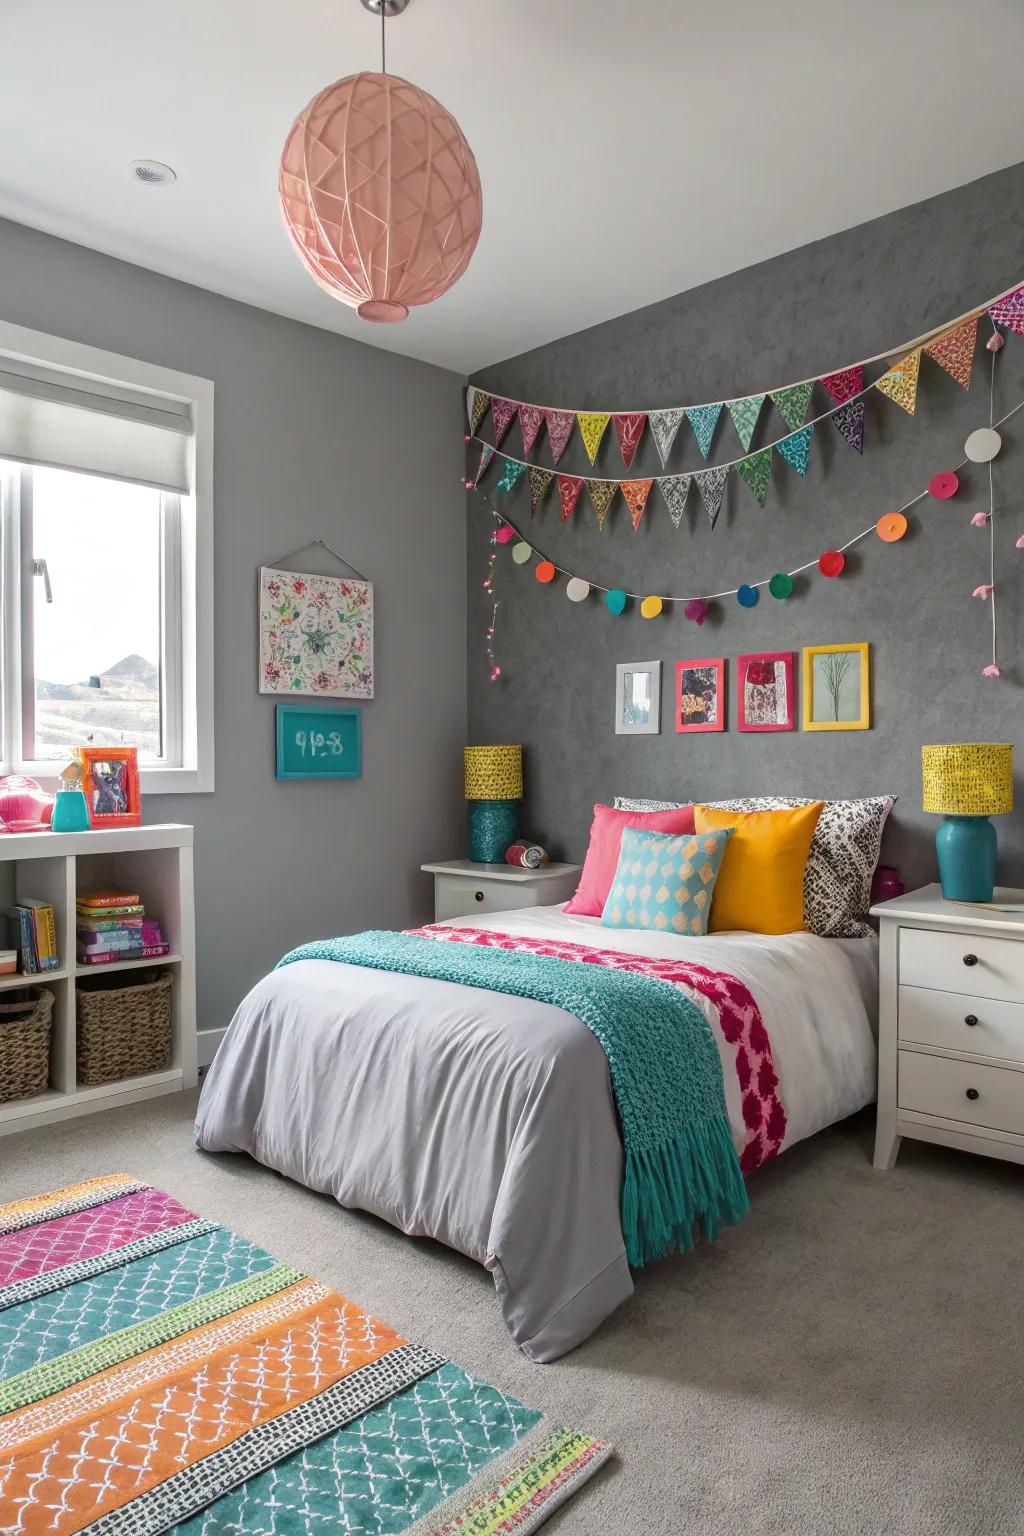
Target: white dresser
column 951, row 1025
column 465, row 889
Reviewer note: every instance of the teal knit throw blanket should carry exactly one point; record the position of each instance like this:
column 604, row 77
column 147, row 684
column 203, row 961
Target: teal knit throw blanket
column 681, row 1166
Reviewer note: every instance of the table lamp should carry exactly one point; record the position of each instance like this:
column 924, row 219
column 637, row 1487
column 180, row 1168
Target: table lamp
column 494, row 788
column 966, row 784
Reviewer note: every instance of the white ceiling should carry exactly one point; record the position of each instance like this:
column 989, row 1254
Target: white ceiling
column 629, row 149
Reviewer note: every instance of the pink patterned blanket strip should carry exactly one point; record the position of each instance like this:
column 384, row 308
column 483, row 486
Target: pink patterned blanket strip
column 35, row 1250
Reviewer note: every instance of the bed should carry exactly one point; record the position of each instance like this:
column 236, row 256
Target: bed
column 487, row 1121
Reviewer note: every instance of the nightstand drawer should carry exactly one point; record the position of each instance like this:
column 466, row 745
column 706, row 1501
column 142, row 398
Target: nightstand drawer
column 961, row 1090
column 955, row 1022
column 971, row 964
column 455, row 896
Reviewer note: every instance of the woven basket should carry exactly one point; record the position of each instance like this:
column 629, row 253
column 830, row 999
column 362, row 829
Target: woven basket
column 124, row 1026
column 25, row 1044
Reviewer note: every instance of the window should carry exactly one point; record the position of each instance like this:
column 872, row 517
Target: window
column 105, row 579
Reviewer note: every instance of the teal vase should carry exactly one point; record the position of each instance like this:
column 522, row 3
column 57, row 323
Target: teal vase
column 493, row 826
column 966, row 849
column 70, row 812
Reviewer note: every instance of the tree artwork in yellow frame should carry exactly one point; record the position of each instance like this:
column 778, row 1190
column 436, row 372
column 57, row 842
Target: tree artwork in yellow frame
column 837, row 688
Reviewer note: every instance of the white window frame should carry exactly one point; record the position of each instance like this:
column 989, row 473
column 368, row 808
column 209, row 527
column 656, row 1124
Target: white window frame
column 186, row 578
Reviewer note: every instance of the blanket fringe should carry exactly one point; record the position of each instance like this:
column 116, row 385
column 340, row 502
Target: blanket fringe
column 667, row 1190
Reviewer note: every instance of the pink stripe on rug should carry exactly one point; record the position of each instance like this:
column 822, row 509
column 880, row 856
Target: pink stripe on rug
column 85, row 1234
column 739, row 1019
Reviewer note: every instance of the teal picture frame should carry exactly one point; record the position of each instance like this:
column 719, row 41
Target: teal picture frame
column 318, row 743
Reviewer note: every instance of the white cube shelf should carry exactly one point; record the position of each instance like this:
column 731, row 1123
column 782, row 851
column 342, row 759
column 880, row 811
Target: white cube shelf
column 60, row 866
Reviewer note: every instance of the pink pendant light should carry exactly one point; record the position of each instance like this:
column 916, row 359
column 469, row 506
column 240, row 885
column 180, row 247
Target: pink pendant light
column 380, row 194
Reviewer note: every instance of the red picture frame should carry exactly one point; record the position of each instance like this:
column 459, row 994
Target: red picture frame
column 110, row 783
column 758, row 705
column 700, row 680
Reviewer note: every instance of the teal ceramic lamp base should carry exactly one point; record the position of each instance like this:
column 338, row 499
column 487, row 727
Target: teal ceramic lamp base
column 966, row 849
column 493, row 825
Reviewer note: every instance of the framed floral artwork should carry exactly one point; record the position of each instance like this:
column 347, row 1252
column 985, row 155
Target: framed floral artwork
column 766, row 701
column 837, row 688
column 110, row 783
column 316, row 635
column 700, row 695
column 638, row 698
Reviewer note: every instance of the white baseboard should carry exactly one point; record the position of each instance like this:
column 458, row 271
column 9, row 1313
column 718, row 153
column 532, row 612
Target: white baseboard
column 208, row 1041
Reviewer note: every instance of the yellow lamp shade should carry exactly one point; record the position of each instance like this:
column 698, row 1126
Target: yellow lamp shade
column 494, row 773
column 971, row 779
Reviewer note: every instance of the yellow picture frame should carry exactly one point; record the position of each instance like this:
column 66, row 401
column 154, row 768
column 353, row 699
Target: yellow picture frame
column 836, row 683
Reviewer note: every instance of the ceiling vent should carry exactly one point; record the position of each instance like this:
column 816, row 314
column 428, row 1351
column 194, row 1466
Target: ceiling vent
column 152, row 173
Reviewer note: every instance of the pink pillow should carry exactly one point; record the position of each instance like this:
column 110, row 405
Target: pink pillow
column 603, row 850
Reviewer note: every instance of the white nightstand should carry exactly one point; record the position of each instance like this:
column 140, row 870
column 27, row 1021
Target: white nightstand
column 951, row 1025
column 462, row 888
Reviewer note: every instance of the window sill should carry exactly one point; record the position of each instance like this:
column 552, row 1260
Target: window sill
column 152, row 781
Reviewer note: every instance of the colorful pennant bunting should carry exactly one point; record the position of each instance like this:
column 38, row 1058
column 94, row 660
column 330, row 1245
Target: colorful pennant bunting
column 560, row 425
column 629, row 429
column 531, row 419
column 711, row 484
column 636, row 493
column 955, row 351
column 664, row 425
column 744, row 415
column 900, row 381
column 849, row 420
column 796, row 450
column 1010, row 311
column 477, row 405
column 757, row 472
column 792, row 403
column 569, row 487
column 511, row 474
column 602, row 494
column 540, row 484
column 841, row 386
column 592, row 428
column 486, row 455
column 674, row 490
column 703, row 419
column 502, row 415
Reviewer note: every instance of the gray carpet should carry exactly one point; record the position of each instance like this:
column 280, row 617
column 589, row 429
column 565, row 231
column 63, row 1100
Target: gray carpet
column 848, row 1361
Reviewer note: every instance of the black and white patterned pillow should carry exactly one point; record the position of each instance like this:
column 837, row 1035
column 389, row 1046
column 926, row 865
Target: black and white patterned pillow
column 841, row 863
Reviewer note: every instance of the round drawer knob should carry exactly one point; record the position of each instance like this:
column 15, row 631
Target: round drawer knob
column 970, row 959
column 972, row 1093
column 479, row 895
column 971, row 1020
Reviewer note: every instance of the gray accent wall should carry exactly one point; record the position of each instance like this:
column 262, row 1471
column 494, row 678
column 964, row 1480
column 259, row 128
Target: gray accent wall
column 801, row 314
column 316, row 435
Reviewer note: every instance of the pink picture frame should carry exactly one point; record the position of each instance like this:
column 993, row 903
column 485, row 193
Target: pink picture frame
column 700, row 701
column 765, row 698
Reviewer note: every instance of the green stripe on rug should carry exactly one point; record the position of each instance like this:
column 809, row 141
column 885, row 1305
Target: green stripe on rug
column 115, row 1348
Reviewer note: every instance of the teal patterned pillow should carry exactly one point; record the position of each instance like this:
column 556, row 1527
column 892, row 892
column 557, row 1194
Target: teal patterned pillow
column 665, row 881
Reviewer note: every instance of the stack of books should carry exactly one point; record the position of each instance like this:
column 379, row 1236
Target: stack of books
column 112, row 925
column 33, row 929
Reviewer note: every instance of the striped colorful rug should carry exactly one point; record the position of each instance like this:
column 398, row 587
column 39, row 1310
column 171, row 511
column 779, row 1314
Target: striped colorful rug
column 158, row 1373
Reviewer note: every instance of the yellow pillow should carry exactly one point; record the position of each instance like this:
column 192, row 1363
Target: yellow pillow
column 761, row 882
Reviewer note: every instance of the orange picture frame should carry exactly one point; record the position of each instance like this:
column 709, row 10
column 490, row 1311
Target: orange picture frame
column 110, row 783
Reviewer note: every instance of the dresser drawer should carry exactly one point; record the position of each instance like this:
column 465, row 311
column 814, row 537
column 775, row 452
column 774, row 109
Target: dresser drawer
column 457, row 896
column 961, row 1090
column 971, row 964
column 955, row 1022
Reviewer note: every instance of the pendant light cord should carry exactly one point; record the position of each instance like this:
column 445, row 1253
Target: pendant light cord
column 383, row 20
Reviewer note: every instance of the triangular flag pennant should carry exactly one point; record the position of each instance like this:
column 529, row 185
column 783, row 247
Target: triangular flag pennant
column 602, row 494
column 849, row 420
column 560, row 425
column 540, row 484
column 900, row 381
column 757, row 472
column 592, row 429
column 664, row 425
column 477, row 406
column 486, row 455
column 502, row 413
column 629, row 429
column 636, row 493
column 674, row 490
column 531, row 419
column 744, row 415
column 841, row 386
column 796, row 449
column 569, row 487
column 511, row 474
column 703, row 419
column 1010, row 311
column 955, row 351
column 711, row 484
column 790, row 403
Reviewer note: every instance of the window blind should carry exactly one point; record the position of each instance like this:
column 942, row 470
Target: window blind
column 73, row 421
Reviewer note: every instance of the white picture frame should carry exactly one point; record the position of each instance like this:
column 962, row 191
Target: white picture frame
column 638, row 698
